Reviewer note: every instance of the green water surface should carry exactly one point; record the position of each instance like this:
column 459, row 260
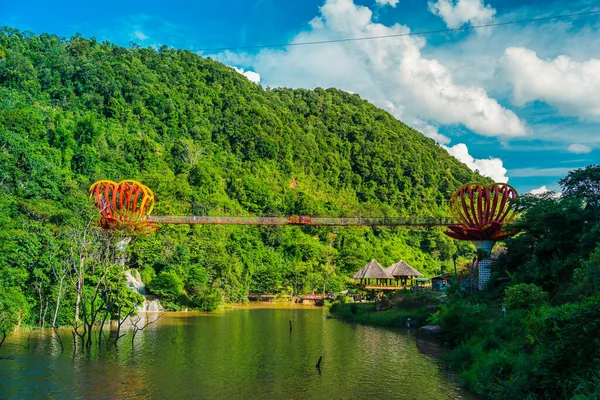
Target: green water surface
column 244, row 353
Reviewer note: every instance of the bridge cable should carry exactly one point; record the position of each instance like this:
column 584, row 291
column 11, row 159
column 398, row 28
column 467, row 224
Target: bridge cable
column 465, row 28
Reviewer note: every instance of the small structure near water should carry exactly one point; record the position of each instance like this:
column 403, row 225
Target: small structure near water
column 402, row 272
column 373, row 275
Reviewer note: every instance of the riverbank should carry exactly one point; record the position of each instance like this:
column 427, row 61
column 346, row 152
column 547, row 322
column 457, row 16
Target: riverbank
column 409, row 312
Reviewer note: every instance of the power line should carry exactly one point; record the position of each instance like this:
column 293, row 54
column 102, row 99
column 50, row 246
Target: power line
column 466, row 28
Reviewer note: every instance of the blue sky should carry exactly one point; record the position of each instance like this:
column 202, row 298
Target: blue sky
column 518, row 102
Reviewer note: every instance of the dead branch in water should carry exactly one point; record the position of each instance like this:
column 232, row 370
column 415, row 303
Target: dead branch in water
column 136, row 328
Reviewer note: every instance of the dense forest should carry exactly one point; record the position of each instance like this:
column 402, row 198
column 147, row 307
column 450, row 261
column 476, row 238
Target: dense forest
column 206, row 141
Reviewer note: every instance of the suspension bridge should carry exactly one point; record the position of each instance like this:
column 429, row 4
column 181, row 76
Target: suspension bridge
column 299, row 220
column 479, row 212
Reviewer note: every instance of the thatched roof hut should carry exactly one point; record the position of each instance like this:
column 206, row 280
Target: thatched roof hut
column 402, row 270
column 373, row 270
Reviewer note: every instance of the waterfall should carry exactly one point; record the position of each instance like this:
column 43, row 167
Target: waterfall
column 134, row 282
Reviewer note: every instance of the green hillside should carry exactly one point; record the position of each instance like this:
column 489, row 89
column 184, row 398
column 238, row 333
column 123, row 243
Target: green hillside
column 204, row 139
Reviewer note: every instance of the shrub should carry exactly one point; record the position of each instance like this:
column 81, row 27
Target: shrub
column 526, row 296
column 207, row 300
column 167, row 286
column 586, row 280
column 336, row 284
column 459, row 321
column 568, row 342
column 147, row 274
column 12, row 302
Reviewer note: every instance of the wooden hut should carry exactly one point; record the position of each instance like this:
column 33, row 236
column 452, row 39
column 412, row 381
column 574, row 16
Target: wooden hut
column 373, row 274
column 402, row 272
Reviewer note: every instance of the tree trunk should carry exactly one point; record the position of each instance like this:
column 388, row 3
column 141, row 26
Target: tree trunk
column 39, row 290
column 80, row 278
column 101, row 328
column 58, row 297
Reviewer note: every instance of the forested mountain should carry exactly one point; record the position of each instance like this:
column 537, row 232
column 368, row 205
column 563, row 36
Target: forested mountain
column 204, row 139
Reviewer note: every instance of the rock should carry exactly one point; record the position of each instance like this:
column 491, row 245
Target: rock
column 397, row 299
column 383, row 304
column 430, row 333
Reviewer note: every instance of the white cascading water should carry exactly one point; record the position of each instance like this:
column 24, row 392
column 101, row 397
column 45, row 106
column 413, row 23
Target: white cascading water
column 134, row 282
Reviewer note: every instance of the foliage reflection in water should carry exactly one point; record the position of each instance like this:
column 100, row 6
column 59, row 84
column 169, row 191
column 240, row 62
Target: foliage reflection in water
column 242, row 353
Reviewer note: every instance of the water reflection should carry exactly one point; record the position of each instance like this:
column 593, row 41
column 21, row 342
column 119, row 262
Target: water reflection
column 241, row 353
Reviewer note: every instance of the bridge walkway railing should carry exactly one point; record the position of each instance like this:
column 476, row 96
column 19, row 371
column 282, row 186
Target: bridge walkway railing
column 300, row 220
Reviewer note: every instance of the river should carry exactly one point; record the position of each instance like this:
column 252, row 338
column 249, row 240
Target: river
column 244, row 353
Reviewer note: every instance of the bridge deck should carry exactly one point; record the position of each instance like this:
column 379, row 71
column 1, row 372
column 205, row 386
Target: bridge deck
column 300, row 220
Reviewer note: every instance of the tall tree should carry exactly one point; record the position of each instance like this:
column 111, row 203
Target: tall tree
column 584, row 184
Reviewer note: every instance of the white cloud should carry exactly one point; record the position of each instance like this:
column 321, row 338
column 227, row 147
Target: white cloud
column 430, row 131
column 457, row 13
column 578, row 148
column 251, row 75
column 474, row 59
column 392, row 3
column 571, row 86
column 491, row 167
column 540, row 190
column 140, row 35
column 426, row 129
column 543, row 190
column 391, row 70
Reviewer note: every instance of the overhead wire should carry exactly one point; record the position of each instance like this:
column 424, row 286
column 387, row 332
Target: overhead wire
column 465, row 28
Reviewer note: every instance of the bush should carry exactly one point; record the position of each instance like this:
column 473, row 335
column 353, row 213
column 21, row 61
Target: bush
column 569, row 341
column 586, row 280
column 167, row 286
column 526, row 296
column 345, row 299
column 12, row 302
column 207, row 300
column 336, row 284
column 459, row 321
column 147, row 274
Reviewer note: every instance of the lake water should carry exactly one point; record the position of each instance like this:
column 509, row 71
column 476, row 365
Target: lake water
column 244, row 353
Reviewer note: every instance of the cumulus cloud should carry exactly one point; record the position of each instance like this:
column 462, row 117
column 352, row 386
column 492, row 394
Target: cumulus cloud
column 392, row 3
column 392, row 70
column 572, row 87
column 461, row 12
column 251, row 75
column 578, row 148
column 490, row 167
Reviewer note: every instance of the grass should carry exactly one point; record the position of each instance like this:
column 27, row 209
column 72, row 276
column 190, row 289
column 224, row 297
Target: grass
column 417, row 308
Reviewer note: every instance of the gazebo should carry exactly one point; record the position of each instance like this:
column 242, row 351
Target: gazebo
column 402, row 271
column 373, row 270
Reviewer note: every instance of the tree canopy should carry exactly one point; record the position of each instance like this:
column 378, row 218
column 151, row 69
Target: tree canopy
column 584, row 183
